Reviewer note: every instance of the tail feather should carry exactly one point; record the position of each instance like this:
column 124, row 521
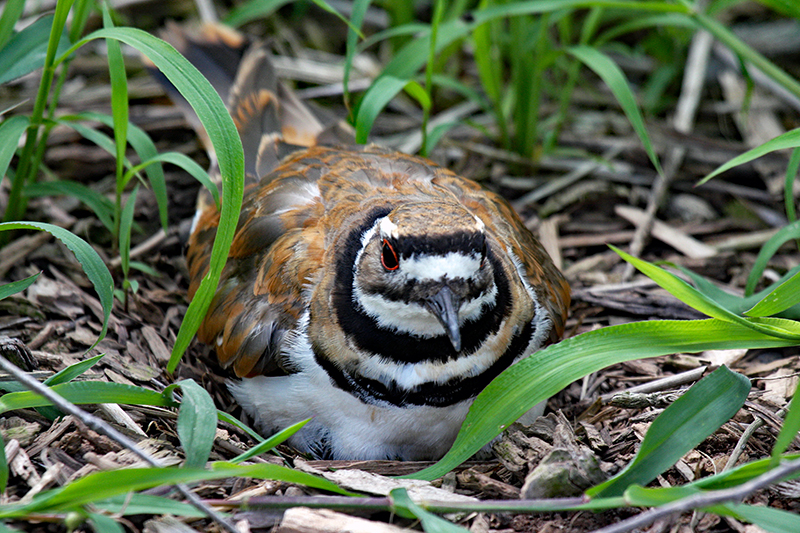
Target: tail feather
column 271, row 120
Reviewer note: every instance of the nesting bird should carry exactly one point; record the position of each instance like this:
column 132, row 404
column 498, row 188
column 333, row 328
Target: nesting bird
column 374, row 291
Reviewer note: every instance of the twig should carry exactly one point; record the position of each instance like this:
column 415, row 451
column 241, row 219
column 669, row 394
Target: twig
column 702, row 500
column 669, row 382
column 100, row 426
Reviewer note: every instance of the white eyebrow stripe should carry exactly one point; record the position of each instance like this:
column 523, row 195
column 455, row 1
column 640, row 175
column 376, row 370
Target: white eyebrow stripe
column 452, row 265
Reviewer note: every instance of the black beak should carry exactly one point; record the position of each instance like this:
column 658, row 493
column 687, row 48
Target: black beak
column 444, row 305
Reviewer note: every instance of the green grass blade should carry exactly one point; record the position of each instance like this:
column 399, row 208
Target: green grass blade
column 133, row 504
column 84, row 392
column 14, row 287
column 104, row 524
column 223, row 135
column 119, row 96
column 253, row 10
column 788, row 186
column 271, row 442
column 146, row 150
column 782, row 297
column 614, row 78
column 73, row 371
column 197, row 423
column 92, row 264
column 767, row 518
column 11, row 131
column 547, row 371
column 3, row 466
column 769, row 249
column 25, row 51
column 359, row 11
column 790, row 139
column 692, row 297
column 680, row 427
column 404, row 506
column 12, row 10
column 235, row 422
column 125, row 227
column 100, row 486
column 789, row 430
column 186, row 163
column 100, row 205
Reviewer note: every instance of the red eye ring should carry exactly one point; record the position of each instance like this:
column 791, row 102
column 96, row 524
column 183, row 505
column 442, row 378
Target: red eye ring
column 389, row 258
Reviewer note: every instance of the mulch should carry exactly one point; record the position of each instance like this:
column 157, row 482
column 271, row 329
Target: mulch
column 58, row 318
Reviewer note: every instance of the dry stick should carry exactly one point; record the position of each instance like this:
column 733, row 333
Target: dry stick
column 691, row 90
column 709, row 499
column 98, row 425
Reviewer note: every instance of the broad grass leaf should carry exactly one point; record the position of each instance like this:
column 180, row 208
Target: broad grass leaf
column 146, row 150
column 12, row 10
column 679, row 428
column 197, row 423
column 119, row 96
column 221, row 130
column 614, row 78
column 3, row 466
column 768, row 250
column 104, row 524
column 63, row 376
column 544, row 373
column 186, row 163
column 100, row 486
column 789, row 430
column 11, row 131
column 268, row 444
column 132, row 504
column 790, row 139
column 785, row 329
column 253, row 10
column 25, row 51
column 101, row 206
column 781, row 297
column 404, row 506
column 94, row 267
column 788, row 185
column 14, row 287
column 767, row 518
column 83, row 392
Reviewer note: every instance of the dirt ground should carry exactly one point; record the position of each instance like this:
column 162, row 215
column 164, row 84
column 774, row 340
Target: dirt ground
column 599, row 184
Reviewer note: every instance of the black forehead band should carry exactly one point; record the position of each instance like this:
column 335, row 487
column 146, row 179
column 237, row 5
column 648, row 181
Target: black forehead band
column 465, row 242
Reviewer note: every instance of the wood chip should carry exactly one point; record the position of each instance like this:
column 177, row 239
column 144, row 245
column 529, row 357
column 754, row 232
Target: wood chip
column 305, row 520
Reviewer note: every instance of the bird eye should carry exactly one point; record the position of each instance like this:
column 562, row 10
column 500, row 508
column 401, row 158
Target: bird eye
column 389, row 256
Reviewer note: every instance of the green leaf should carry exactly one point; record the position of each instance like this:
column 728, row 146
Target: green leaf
column 783, row 235
column 613, row 76
column 197, row 423
column 253, row 10
column 119, row 97
column 100, row 486
column 271, row 442
column 101, row 206
column 3, row 466
column 104, row 524
column 788, row 185
column 403, row 506
column 12, row 10
column 26, row 50
column 781, row 297
column 125, row 225
column 544, row 373
column 92, row 264
column 187, row 164
column 221, row 130
column 14, row 287
column 785, row 329
column 789, row 430
column 790, row 139
column 133, row 504
column 68, row 374
column 83, row 392
column 11, row 131
column 767, row 518
column 679, row 428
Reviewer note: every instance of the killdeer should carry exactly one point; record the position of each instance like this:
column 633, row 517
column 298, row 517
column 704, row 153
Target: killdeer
column 371, row 290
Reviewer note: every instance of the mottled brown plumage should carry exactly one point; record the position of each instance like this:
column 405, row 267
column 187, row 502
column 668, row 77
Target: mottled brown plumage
column 394, row 286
